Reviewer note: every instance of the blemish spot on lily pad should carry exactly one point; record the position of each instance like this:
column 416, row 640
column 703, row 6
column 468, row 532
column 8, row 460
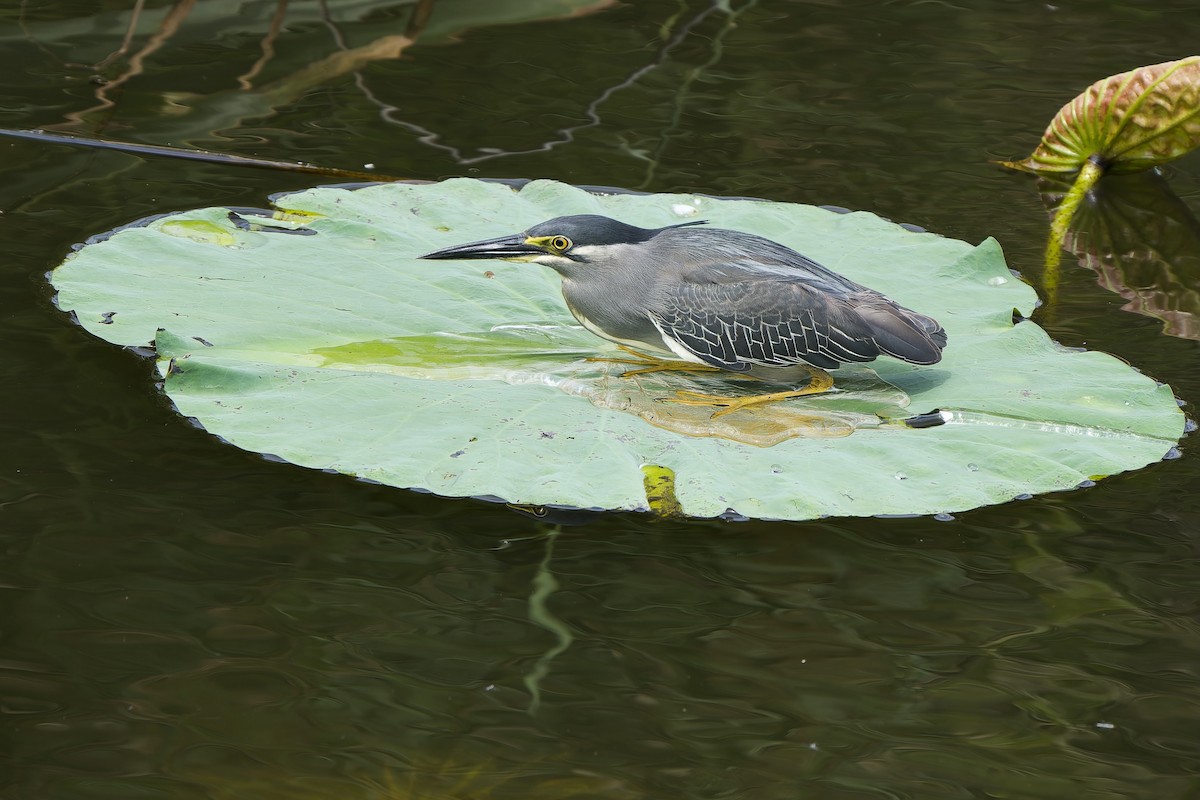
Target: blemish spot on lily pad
column 198, row 230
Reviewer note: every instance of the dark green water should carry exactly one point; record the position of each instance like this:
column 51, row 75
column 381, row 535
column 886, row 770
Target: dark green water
column 180, row 619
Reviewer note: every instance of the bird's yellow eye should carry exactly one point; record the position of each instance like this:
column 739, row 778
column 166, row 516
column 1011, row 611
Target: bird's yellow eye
column 560, row 243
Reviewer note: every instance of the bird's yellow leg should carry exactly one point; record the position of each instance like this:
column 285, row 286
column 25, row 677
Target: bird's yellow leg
column 648, row 363
column 821, row 381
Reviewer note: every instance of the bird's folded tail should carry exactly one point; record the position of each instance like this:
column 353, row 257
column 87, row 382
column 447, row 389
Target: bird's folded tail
column 904, row 334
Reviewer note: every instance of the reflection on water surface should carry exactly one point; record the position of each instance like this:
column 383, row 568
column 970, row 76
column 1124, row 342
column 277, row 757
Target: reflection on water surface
column 181, row 619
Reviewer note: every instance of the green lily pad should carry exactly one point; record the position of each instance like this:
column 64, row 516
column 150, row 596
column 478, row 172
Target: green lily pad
column 319, row 337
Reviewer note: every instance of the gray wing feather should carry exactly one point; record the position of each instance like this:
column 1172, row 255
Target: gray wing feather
column 738, row 324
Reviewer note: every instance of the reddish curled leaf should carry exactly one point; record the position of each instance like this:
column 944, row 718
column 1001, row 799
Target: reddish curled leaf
column 1124, row 123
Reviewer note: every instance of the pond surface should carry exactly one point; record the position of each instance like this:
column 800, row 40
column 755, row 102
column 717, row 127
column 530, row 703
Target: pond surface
column 182, row 619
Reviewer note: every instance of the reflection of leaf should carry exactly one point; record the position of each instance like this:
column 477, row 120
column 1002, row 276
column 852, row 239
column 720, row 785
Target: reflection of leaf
column 1127, row 122
column 1143, row 242
column 1071, row 593
column 340, row 350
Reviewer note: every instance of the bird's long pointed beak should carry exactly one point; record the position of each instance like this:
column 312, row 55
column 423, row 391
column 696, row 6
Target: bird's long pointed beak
column 510, row 247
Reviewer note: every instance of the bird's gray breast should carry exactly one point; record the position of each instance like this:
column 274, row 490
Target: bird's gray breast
column 614, row 308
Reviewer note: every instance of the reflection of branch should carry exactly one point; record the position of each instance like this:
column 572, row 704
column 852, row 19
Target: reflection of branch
column 28, row 36
column 130, row 30
column 412, row 31
column 166, row 29
column 692, row 76
column 544, row 586
column 224, row 110
column 267, row 45
column 336, row 65
column 564, row 135
column 419, row 19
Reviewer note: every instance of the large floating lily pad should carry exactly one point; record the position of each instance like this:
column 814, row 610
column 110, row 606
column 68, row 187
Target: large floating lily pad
column 318, row 337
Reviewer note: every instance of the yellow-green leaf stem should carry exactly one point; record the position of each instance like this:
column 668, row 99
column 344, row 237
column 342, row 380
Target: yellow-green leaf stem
column 1087, row 178
column 660, row 490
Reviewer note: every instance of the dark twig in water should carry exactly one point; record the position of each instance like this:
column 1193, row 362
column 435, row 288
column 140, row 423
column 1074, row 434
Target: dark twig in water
column 197, row 155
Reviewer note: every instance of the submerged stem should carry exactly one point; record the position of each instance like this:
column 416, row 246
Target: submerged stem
column 1089, row 174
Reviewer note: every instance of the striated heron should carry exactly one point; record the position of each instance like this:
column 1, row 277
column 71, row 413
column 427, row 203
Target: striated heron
column 714, row 299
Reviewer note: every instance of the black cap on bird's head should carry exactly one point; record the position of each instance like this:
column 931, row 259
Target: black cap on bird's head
column 554, row 237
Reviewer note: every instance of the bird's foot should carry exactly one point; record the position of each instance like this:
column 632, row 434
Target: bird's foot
column 821, row 381
column 647, row 364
